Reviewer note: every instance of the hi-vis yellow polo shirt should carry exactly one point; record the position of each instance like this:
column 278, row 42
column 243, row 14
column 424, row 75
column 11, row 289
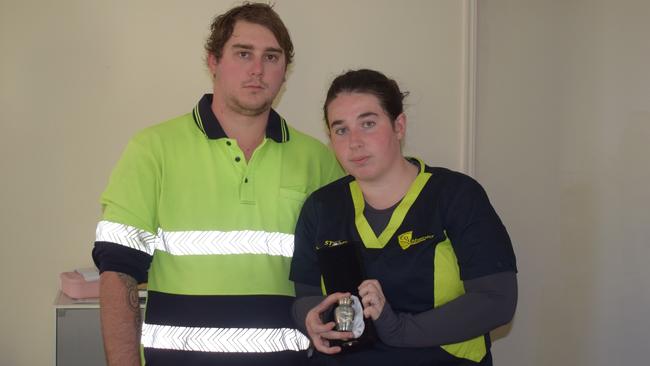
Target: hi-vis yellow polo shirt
column 217, row 233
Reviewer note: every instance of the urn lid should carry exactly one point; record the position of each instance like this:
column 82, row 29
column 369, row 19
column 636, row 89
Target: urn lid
column 345, row 301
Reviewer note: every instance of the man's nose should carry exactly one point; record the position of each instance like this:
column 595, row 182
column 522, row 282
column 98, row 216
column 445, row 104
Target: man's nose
column 256, row 67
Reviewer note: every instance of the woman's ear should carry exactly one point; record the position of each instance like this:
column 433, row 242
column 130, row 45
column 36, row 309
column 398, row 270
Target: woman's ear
column 399, row 126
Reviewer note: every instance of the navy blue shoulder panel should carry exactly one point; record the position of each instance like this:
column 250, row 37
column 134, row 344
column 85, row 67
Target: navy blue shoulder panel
column 119, row 258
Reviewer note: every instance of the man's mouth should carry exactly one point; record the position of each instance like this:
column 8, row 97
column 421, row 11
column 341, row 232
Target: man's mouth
column 255, row 85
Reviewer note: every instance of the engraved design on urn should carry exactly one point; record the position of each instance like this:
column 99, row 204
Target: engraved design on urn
column 344, row 315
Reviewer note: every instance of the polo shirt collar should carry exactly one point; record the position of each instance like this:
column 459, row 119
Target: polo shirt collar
column 276, row 128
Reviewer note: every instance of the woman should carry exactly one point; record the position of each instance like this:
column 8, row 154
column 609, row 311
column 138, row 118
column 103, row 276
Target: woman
column 440, row 264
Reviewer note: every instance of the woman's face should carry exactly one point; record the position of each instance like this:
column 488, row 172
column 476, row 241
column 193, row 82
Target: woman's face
column 365, row 141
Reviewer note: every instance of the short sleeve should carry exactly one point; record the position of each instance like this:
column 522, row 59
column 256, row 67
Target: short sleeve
column 126, row 236
column 479, row 238
column 131, row 197
column 304, row 264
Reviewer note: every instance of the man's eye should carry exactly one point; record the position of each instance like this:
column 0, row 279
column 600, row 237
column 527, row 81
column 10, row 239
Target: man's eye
column 272, row 58
column 243, row 54
column 368, row 124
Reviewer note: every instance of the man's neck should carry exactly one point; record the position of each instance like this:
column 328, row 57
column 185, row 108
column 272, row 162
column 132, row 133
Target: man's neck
column 249, row 131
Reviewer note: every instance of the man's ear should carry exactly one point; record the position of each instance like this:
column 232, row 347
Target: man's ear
column 212, row 64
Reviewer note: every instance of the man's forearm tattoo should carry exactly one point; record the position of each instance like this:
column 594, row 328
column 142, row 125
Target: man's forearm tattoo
column 132, row 298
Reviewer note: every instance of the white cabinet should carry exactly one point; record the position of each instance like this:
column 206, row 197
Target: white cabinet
column 78, row 332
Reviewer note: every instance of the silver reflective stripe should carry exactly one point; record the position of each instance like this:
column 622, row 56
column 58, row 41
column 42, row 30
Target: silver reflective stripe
column 242, row 340
column 226, row 242
column 126, row 235
column 197, row 242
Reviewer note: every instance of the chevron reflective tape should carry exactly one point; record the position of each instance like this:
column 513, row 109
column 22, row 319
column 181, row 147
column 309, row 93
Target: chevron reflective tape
column 240, row 340
column 197, row 242
column 226, row 242
column 126, row 235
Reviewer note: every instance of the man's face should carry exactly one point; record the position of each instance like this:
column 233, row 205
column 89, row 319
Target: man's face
column 250, row 72
column 365, row 141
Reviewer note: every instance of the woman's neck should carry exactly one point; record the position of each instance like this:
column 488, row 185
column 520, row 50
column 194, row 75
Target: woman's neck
column 392, row 187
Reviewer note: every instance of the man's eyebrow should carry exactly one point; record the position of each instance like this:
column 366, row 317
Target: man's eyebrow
column 250, row 47
column 274, row 50
column 244, row 46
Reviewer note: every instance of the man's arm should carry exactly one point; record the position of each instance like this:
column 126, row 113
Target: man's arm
column 121, row 318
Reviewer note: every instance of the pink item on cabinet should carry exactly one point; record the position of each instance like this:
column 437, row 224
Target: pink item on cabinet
column 74, row 285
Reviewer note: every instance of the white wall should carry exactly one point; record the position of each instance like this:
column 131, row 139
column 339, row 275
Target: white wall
column 78, row 78
column 563, row 143
column 563, row 125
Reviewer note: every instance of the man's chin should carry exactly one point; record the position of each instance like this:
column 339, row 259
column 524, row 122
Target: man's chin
column 251, row 109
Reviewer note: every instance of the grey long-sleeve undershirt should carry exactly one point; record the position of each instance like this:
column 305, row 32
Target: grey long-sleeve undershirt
column 488, row 302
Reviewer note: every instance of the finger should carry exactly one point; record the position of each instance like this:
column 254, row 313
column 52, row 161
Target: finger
column 315, row 325
column 324, row 347
column 322, row 343
column 370, row 299
column 319, row 328
column 365, row 301
column 330, row 300
column 370, row 284
column 363, row 291
column 369, row 288
column 337, row 335
column 313, row 319
column 363, row 288
column 371, row 312
column 366, row 291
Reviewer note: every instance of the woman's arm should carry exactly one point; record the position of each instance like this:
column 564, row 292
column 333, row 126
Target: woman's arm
column 488, row 303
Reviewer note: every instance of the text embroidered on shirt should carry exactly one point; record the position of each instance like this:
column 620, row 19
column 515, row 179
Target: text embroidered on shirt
column 406, row 239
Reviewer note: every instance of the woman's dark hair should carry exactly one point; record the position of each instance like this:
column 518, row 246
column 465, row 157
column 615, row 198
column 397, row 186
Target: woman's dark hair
column 256, row 13
column 370, row 82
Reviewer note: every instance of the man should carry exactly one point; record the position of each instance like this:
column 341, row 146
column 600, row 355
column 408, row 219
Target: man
column 203, row 208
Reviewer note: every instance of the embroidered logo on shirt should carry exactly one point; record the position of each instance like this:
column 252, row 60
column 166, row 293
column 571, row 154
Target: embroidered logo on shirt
column 406, row 239
column 333, row 243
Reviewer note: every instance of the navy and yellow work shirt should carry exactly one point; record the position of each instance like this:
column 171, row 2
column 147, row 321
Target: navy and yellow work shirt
column 444, row 231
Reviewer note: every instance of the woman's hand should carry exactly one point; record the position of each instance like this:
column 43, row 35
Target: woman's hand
column 321, row 333
column 372, row 298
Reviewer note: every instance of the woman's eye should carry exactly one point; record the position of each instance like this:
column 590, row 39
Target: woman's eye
column 339, row 131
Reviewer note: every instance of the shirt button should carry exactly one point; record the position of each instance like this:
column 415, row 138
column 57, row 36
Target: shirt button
column 228, row 143
column 245, row 180
column 237, row 158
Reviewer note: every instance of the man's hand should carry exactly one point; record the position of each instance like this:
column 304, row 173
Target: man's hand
column 321, row 333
